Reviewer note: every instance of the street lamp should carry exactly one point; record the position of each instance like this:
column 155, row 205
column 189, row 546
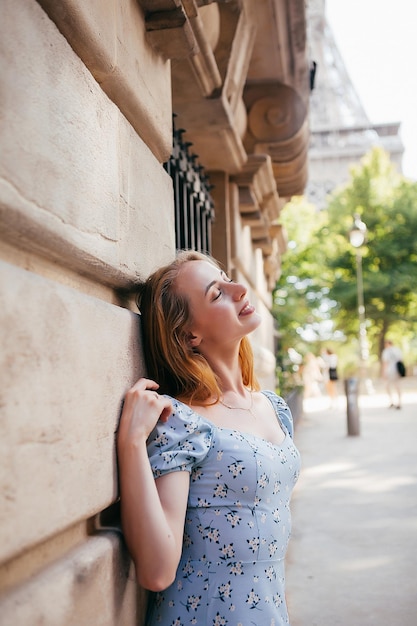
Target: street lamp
column 357, row 237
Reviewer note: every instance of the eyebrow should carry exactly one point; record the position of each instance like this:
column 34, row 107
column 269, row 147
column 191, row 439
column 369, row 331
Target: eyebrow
column 209, row 286
column 213, row 282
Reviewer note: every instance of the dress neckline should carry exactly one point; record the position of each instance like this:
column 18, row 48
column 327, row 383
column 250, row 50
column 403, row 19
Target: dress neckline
column 246, row 433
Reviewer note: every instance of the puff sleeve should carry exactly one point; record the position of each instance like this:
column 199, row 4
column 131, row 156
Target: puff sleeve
column 282, row 411
column 179, row 444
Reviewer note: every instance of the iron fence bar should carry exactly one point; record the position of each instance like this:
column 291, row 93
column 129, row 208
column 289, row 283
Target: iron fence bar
column 194, row 208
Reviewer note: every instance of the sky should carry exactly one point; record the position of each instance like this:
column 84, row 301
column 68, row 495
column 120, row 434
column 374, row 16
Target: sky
column 378, row 43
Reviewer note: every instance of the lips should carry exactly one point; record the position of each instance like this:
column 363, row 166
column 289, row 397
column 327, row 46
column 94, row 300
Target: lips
column 247, row 309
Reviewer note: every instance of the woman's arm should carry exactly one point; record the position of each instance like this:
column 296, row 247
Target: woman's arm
column 153, row 512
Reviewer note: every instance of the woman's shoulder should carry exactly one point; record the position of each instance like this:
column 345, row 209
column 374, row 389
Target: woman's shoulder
column 274, row 397
column 282, row 410
column 180, row 442
column 184, row 417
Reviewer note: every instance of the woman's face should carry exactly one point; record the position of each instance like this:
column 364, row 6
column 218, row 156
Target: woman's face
column 220, row 310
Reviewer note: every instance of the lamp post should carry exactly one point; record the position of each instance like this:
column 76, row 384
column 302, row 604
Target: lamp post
column 357, row 237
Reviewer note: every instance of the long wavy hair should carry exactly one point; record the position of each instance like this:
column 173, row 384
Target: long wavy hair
column 180, row 370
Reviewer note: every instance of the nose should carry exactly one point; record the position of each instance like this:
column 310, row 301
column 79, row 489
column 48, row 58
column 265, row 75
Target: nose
column 239, row 291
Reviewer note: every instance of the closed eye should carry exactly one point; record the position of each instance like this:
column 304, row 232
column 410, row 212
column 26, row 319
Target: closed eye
column 220, row 291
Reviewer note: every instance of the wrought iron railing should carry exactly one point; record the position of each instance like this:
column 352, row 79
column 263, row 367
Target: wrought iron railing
column 194, row 209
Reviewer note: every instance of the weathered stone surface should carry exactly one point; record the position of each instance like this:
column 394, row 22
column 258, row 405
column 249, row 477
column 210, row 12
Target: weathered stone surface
column 218, row 141
column 278, row 126
column 93, row 584
column 110, row 38
column 76, row 182
column 66, row 361
column 280, row 51
column 216, row 125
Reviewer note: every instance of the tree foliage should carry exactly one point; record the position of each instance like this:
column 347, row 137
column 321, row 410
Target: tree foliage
column 300, row 293
column 316, row 297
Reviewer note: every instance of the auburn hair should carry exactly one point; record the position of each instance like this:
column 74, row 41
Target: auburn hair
column 180, row 370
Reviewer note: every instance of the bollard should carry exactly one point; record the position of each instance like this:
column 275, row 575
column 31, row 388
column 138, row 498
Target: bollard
column 352, row 389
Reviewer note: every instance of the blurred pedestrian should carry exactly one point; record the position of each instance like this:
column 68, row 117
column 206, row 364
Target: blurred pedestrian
column 312, row 376
column 391, row 355
column 330, row 373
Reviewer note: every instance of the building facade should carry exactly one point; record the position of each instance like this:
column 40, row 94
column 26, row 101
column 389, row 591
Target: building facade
column 87, row 209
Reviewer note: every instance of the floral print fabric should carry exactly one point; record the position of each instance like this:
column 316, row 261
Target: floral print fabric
column 238, row 521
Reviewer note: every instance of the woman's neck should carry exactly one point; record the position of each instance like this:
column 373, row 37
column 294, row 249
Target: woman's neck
column 230, row 378
column 226, row 366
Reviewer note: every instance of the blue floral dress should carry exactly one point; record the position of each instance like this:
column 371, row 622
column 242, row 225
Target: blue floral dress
column 238, row 521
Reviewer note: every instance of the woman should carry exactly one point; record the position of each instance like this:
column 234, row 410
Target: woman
column 331, row 376
column 390, row 357
column 207, row 463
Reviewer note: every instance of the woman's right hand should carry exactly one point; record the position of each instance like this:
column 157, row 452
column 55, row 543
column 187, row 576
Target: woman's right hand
column 153, row 511
column 142, row 409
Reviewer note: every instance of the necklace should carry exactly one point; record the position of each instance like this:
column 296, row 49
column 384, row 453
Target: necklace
column 241, row 408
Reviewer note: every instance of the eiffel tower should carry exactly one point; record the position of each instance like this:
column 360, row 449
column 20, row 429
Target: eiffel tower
column 341, row 132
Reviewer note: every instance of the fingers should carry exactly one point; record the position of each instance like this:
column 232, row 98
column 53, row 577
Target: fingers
column 167, row 409
column 142, row 409
column 164, row 405
column 145, row 383
column 148, row 385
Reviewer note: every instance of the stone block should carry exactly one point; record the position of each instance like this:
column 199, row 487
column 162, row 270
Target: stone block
column 77, row 184
column 66, row 361
column 110, row 38
column 92, row 584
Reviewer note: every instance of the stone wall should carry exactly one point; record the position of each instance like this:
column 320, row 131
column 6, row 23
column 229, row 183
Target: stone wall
column 83, row 198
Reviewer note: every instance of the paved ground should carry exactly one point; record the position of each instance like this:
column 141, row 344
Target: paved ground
column 352, row 559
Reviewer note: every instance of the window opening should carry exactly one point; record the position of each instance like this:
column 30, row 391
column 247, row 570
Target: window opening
column 194, row 208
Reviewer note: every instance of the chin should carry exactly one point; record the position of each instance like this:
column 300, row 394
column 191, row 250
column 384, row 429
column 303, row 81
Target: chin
column 255, row 320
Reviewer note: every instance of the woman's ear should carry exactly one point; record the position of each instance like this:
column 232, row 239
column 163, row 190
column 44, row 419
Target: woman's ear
column 193, row 340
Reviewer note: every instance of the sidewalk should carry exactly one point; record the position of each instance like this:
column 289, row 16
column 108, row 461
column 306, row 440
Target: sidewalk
column 352, row 559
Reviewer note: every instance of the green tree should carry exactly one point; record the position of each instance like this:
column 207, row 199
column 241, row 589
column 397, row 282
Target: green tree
column 387, row 203
column 300, row 302
column 316, row 297
column 300, row 295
